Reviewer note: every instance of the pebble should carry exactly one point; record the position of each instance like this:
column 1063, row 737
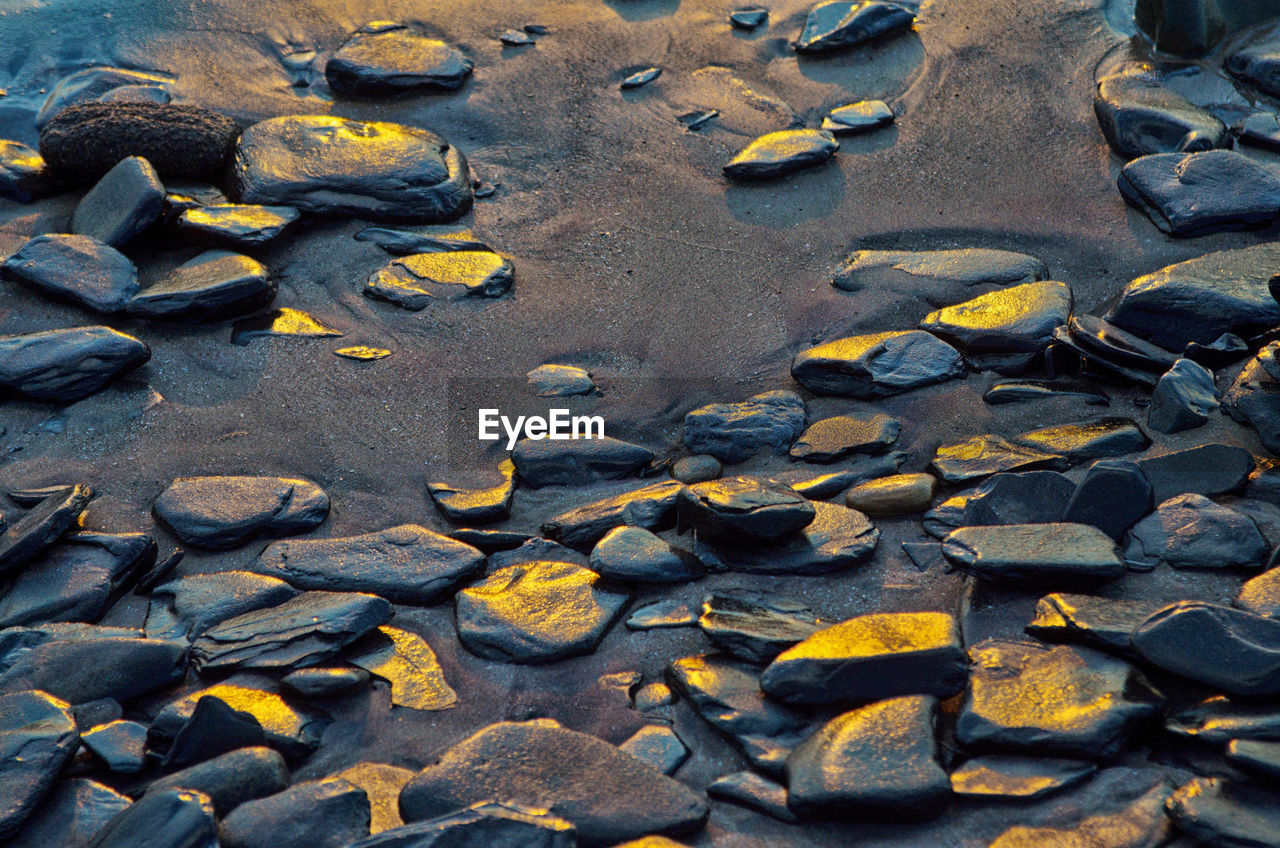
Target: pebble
column 216, row 284
column 281, row 322
column 544, row 462
column 78, row 269
column 743, row 510
column 755, row 626
column 362, row 353
column 828, row 485
column 126, row 201
column 408, row 663
column 170, row 818
column 1258, row 64
column 476, row 506
column 650, row 507
column 899, row 494
column 1222, row 812
column 836, row 539
column 237, row 225
column 829, row 439
column 662, row 614
column 748, row 18
column 1004, row 778
column 1139, row 115
column 1016, row 391
column 385, row 58
column 515, row 38
column 38, row 738
column 877, row 365
column 1191, row 531
column 734, row 432
column 697, row 468
column 837, row 24
column 230, row 780
column 1182, row 195
column 1226, row 648
column 1261, row 129
column 221, row 513
column 560, row 381
column 415, row 281
column 782, row 152
column 937, row 271
column 405, row 242
column 1218, row 720
column 640, row 78
column 1007, row 329
column 323, row 682
column 858, row 117
column 328, row 813
column 1106, row 350
column 635, row 555
column 982, row 456
column 1183, row 399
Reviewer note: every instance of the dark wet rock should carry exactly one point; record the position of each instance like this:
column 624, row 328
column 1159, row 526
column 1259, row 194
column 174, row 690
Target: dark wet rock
column 859, row 470
column 1258, row 63
column 489, row 823
column 1029, row 497
column 415, row 281
column 382, row 784
column 858, row 117
column 1227, row 813
column 407, row 564
column 121, row 745
column 1208, row 470
column 215, row 284
column 324, row 682
column 237, row 225
column 1230, row 649
column 329, row 813
column 779, row 153
column 1104, row 623
column 1139, row 115
column 66, row 365
column 186, row 607
column 755, row 626
column 91, row 83
column 291, row 729
column 560, row 381
column 181, row 141
column 476, row 506
column 281, row 322
column 837, row 538
column 87, row 666
column 880, row 759
column 230, row 780
column 127, row 200
column 996, row 777
column 74, row 810
column 749, row 17
column 1200, row 299
column 697, row 119
column 1218, row 720
column 1261, row 129
column 877, row 365
column 1015, row 391
column 76, row 580
column 750, row 790
column 1035, row 554
column 213, row 729
column 936, row 271
column 536, row 612
column 1113, row 496
column 304, row 630
column 1219, row 353
column 834, row 438
column 1088, row 440
column 636, row 555
column 836, row 24
column 544, row 462
column 93, row 713
column 899, row 494
column 1183, row 399
column 405, row 661
column 925, row 556
column 726, row 693
column 743, row 510
column 78, row 269
column 536, row 549
column 330, row 165
column 661, row 614
column 384, row 57
column 1258, row 757
column 1199, row 193
column 982, row 456
column 404, row 242
column 1261, row 594
column 1052, row 701
column 733, row 432
column 640, row 78
column 38, row 737
column 169, row 818
column 516, row 38
column 362, row 353
column 879, row 655
column 651, row 507
column 1112, row 352
column 226, row 512
column 1254, row 397
column 696, row 469
column 42, row 526
column 1191, row 531
column 1142, row 824
column 658, row 746
column 22, row 172
column 1005, row 329
column 607, row 795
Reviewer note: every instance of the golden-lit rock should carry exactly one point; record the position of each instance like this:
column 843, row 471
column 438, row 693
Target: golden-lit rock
column 755, row 626
column 1142, row 824
column 476, row 506
column 996, row 777
column 1218, row 720
column 1227, row 813
column 384, row 57
column 213, row 285
column 1066, row 555
column 382, row 784
column 651, row 507
column 1104, row 623
column 837, row 538
column 877, row 364
column 1004, row 329
column 416, row 280
column 1096, row 439
column 237, row 224
column 780, row 153
column 362, row 353
column 231, row 779
column 744, row 510
column 733, row 432
column 406, row 661
column 293, row 730
column 901, row 494
column 832, row 438
column 1261, row 595
column 837, row 24
column 282, row 322
column 982, row 456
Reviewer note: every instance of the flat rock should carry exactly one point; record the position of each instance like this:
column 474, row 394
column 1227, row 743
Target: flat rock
column 42, row 526
column 170, row 818
column 658, row 746
column 651, row 507
column 837, row 24
column 937, row 271
column 127, row 200
column 1219, row 719
column 640, row 78
column 544, row 462
column 1261, row 594
column 829, row 439
column 406, row 242
column 1255, row 756
column 733, row 432
column 750, row 790
column 869, row 657
column 743, row 510
column 636, row 555
column 406, row 661
column 1003, row 778
column 213, row 729
column 1195, row 194
column 1191, row 531
column 1254, row 397
column 385, row 57
column 837, row 538
column 608, row 796
column 289, row 728
column 281, row 322
column 1227, row 648
column 779, row 153
column 1017, row 391
column 121, row 745
column 1113, row 353
column 1060, row 554
column 858, row 117
column 322, row 682
column 1104, row 623
column 238, row 225
column 1142, row 824
column 1183, row 399
column 73, row 811
column 1088, row 440
column 94, row 664
column 225, row 512
column 982, row 456
column 1258, row 64
column 748, row 17
column 382, row 784
column 1052, row 701
column 67, row 365
column 476, row 506
column 408, row 564
column 328, row 813
column 415, row 281
column 22, row 172
column 1217, row 811
column 560, row 381
column 1113, row 496
column 230, row 780
column 213, row 285
column 489, row 823
column 78, row 269
column 1208, row 470
column 1004, row 329
column 89, row 84
column 1029, row 497
column 878, row 364
column 880, row 759
column 337, row 166
column 38, row 738
column 536, row 612
column 858, row 470
column 755, row 626
column 1139, row 115
column 188, row 606
column 662, row 614
column 898, row 494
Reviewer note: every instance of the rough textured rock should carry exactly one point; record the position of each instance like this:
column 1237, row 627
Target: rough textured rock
column 1191, row 531
column 543, row 462
column 657, row 745
column 1227, row 813
column 1261, row 594
column 748, row 789
column 879, row 655
column 1005, row 329
column 996, row 777
column 230, row 780
column 755, row 626
column 1208, row 470
column 779, row 153
column 38, row 737
column 382, row 784
column 170, row 818
column 878, row 364
column 1183, row 399
column 66, row 365
column 1035, row 554
column 553, row 380
column 635, row 555
column 834, row 438
column 226, row 512
column 385, row 57
column 733, row 432
column 607, row 795
column 1188, row 194
column 405, row 661
column 216, row 284
column 238, row 225
column 120, row 745
column 329, row 813
column 744, row 510
column 331, row 165
column 1029, row 497
column 187, row 607
column 1104, row 623
column 1254, row 397
column 837, row 24
column 1087, row 440
column 899, row 494
column 1227, row 648
column 651, row 507
column 127, row 200
column 491, row 824
column 42, row 526
column 982, row 456
column 1139, row 115
column 415, row 281
column 78, row 269
column 1113, row 495
column 837, row 538
column 1142, row 824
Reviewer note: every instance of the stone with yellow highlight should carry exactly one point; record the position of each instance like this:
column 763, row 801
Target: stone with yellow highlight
column 838, row 538
column 901, row 494
column 997, row 777
column 382, row 784
column 476, row 506
column 982, row 456
column 877, row 364
column 416, row 280
column 744, row 510
column 406, row 661
column 1006, row 329
column 294, row 730
column 1142, row 824
column 652, row 507
column 1056, row 555
column 1227, row 813
column 779, row 153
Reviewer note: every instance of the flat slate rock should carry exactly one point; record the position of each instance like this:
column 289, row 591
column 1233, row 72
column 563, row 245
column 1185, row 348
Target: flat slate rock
column 42, row 526
column 231, row 779
column 1219, row 719
column 87, row 666
column 1195, row 194
column 829, row 439
column 216, row 284
column 744, row 510
column 488, row 823
column 405, row 661
column 120, row 745
column 662, row 614
column 1255, row 756
column 1017, row 391
column 1003, row 778
column 1052, row 701
column 336, row 166
column 544, row 462
column 1183, row 399
column 1261, row 594
column 982, row 456
column 657, row 745
column 536, row 612
column 385, row 57
column 476, row 506
column 328, row 813
column 1191, row 531
column 1088, row 440
column 1004, row 329
column 89, row 84
column 127, row 200
column 608, row 796
column 1200, row 299
column 1227, row 648
column 937, row 271
column 38, row 738
column 406, row 242
column 73, row 811
column 898, row 494
column 1140, row 115
column 554, row 380
column 320, row 682
column 779, row 153
column 415, row 281
column 1113, row 496
column 292, row 729
column 1258, row 64
column 213, row 729
column 1103, row 623
column 78, row 269
column 837, row 24
column 1065, row 555
column 407, row 564
column 869, row 657
column 1208, row 470
column 63, row 366
column 837, row 538
column 1028, row 497
column 1254, row 398
column 755, row 626
column 239, row 225
column 304, row 630
column 879, row 760
column 750, row 790
column 823, row 485
column 733, row 432
column 862, row 116
column 1142, row 824
column 22, row 172
column 1221, row 812
column 226, row 512
column 281, row 322
column 188, row 606
column 877, row 365
column 170, row 818
column 652, row 507
column 635, row 555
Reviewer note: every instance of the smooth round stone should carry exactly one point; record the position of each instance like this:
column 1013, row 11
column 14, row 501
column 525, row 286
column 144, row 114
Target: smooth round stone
column 836, row 24
column 696, row 469
column 237, row 224
column 1227, row 648
column 79, row 269
column 231, row 779
column 324, row 682
column 744, row 509
column 214, row 285
column 1139, row 115
column 560, row 381
column 385, row 57
column 777, row 154
column 901, row 494
column 66, row 365
column 415, row 281
column 858, row 117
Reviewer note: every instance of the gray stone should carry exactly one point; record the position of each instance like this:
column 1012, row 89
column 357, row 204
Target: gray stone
column 1255, row 756
column 324, row 682
column 1104, row 623
column 936, row 271
column 127, row 200
column 755, row 626
column 216, row 284
column 415, row 281
column 78, row 269
column 170, row 818
column 1258, row 62
column 67, row 365
column 121, row 745
column 635, row 555
column 743, row 510
column 838, row 538
column 651, row 507
column 982, row 456
column 1142, row 824
column 1002, row 778
column 657, row 745
column 733, row 432
column 1254, row 397
column 748, row 789
column 1029, row 497
column 1191, row 531
column 385, row 57
column 1227, row 813
column 78, row 579
column 1064, row 555
column 329, row 813
column 834, row 438
column 91, row 664
column 543, row 462
column 237, row 225
column 213, row 729
column 1139, row 115
column 877, row 365
column 91, row 83
column 1261, row 594
column 1113, row 495
column 42, row 526
column 1208, row 470
column 1218, row 720
column 292, row 729
column 230, row 780
column 779, row 153
column 489, row 824
column 186, row 607
column 476, row 506
column 405, row 661
column 1184, row 194
column 38, row 738
column 1183, row 399
column 225, row 512
column 22, row 172
column 696, row 469
column 1088, row 440
column 837, row 24
column 560, row 381
column 1005, row 329
column 1227, row 648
